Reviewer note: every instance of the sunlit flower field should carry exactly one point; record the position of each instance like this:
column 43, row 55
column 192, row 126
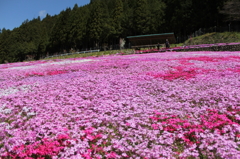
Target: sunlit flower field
column 141, row 106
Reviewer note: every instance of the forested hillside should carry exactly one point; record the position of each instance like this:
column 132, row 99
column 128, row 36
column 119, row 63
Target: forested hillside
column 104, row 22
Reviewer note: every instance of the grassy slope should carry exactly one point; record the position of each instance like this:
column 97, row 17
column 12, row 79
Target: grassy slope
column 211, row 38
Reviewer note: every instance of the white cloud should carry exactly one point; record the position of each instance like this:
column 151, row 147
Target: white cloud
column 42, row 13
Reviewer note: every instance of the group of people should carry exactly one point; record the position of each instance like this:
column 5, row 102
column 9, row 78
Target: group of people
column 167, row 44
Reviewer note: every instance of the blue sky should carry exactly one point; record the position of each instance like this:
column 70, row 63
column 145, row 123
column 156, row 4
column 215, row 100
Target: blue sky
column 14, row 12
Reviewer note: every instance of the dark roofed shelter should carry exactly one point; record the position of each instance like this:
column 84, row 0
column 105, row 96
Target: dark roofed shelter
column 150, row 40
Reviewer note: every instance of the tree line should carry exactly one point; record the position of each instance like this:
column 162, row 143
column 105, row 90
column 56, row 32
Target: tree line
column 104, row 22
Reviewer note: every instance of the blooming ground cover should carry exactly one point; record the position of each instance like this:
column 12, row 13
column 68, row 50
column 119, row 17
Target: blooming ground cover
column 144, row 106
column 185, row 47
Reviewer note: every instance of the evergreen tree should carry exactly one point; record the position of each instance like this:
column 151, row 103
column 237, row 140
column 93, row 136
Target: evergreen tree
column 95, row 23
column 206, row 13
column 73, row 22
column 91, row 1
column 141, row 18
column 117, row 16
column 47, row 25
column 230, row 11
column 157, row 13
column 60, row 32
column 127, row 19
column 178, row 15
column 79, row 17
column 4, row 43
column 107, row 27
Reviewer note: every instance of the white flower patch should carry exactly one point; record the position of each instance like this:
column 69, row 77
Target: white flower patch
column 4, row 125
column 13, row 90
column 196, row 61
column 52, row 62
column 22, row 67
column 26, row 109
column 31, row 114
column 28, row 112
column 5, row 111
column 69, row 62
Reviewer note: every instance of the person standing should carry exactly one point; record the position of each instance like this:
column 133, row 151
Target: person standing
column 167, row 44
column 158, row 46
